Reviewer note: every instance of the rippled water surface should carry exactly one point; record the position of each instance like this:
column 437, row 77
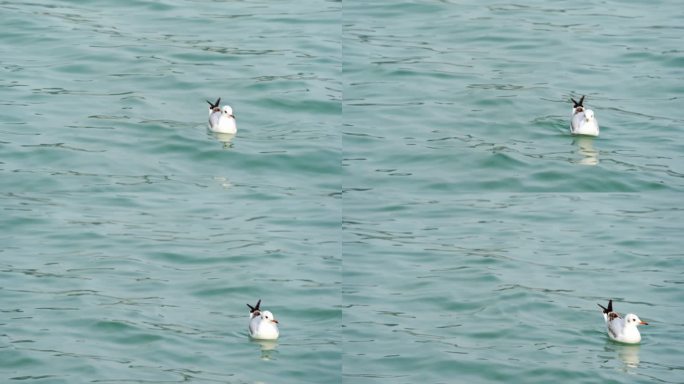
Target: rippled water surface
column 478, row 234
column 402, row 193
column 132, row 237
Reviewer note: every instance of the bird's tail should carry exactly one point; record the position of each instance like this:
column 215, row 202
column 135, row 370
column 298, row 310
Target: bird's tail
column 214, row 105
column 607, row 310
column 578, row 103
column 256, row 307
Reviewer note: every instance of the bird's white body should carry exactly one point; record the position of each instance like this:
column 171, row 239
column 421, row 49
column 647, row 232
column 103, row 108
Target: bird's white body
column 263, row 327
column 262, row 324
column 582, row 120
column 584, row 123
column 623, row 330
column 221, row 120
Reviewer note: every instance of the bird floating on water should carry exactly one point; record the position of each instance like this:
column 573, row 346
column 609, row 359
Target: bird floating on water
column 221, row 120
column 262, row 324
column 583, row 120
column 623, row 330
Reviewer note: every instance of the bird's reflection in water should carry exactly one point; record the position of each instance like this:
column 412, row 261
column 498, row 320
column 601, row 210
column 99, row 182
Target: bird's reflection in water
column 223, row 181
column 585, row 146
column 628, row 354
column 268, row 348
column 225, row 138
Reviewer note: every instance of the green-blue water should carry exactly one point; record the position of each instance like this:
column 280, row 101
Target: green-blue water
column 402, row 192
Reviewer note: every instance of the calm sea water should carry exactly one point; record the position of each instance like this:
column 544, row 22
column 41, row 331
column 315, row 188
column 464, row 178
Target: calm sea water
column 402, row 192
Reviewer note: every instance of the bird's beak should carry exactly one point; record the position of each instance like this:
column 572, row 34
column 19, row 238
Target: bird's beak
column 233, row 116
column 643, row 323
column 275, row 321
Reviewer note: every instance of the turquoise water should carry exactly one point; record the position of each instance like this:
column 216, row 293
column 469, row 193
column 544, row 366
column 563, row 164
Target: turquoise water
column 402, row 192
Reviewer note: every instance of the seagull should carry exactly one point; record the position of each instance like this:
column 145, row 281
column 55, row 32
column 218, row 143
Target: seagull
column 262, row 324
column 221, row 120
column 623, row 330
column 583, row 121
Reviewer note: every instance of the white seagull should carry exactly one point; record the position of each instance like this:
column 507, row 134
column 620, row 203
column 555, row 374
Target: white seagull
column 623, row 330
column 583, row 121
column 262, row 324
column 221, row 120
